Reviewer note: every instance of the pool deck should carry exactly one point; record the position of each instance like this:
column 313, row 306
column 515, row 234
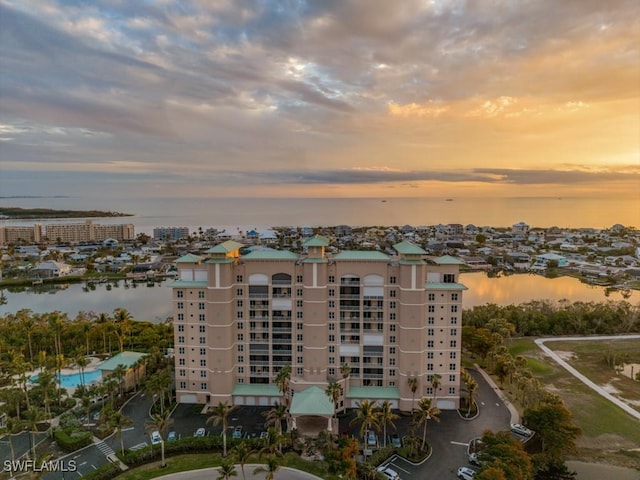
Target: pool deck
column 91, row 366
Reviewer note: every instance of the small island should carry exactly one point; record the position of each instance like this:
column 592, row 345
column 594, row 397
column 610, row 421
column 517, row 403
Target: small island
column 16, row 213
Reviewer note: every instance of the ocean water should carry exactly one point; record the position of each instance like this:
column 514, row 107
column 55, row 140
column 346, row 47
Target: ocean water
column 246, row 213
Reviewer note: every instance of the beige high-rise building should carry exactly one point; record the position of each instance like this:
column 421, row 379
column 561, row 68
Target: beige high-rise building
column 239, row 319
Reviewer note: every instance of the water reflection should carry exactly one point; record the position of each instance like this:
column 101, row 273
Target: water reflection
column 152, row 301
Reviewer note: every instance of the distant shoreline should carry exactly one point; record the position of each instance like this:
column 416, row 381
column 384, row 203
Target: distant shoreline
column 16, row 213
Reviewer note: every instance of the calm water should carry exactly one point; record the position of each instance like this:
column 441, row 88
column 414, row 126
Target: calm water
column 73, row 380
column 265, row 212
column 154, row 303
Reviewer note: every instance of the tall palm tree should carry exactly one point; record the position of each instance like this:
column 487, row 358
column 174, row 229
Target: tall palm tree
column 334, row 392
column 345, row 371
column 275, row 415
column 160, row 422
column 436, row 381
column 386, row 417
column 283, row 381
column 104, row 322
column 367, row 417
column 81, row 361
column 272, row 443
column 33, row 415
column 61, row 362
column 271, row 467
column 219, row 414
column 27, row 323
column 119, row 373
column 46, row 381
column 425, row 411
column 118, row 421
column 241, row 454
column 413, row 386
column 226, row 470
column 122, row 319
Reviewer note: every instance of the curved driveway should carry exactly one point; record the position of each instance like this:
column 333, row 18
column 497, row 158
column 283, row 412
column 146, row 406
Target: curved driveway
column 283, row 473
column 597, row 388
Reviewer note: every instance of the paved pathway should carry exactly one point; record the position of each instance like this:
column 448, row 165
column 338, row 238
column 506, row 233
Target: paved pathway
column 284, row 473
column 515, row 416
column 597, row 388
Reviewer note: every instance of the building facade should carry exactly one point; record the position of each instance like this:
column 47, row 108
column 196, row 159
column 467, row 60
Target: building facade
column 66, row 233
column 366, row 320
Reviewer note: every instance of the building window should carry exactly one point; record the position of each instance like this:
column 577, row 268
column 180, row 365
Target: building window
column 392, row 328
column 392, row 280
column 332, row 279
column 332, row 360
column 299, row 337
column 430, row 332
column 202, row 328
column 240, row 369
column 203, row 374
column 392, row 350
column 332, row 371
column 240, row 358
column 240, row 314
column 430, row 367
column 299, row 279
column 332, row 338
column 182, row 361
column 181, row 328
column 239, row 303
column 392, row 294
column 332, row 292
column 300, row 359
column 299, row 303
column 203, row 340
column 332, row 326
column 452, row 378
column 299, row 371
column 454, row 297
column 392, row 372
column 454, row 308
column 299, row 348
column 201, row 306
column 449, row 278
column 200, row 294
column 299, row 292
column 453, row 344
column 429, row 343
column 239, row 292
column 183, row 385
column 180, row 294
column 240, row 348
column 180, row 339
column 240, row 337
column 332, row 315
column 181, row 350
column 203, row 351
column 299, row 315
column 392, row 304
column 180, row 305
column 240, row 325
column 239, row 279
column 454, row 332
column 431, row 320
column 429, row 391
column 392, row 316
column 432, row 308
column 452, row 390
column 454, row 320
column 202, row 317
column 180, row 317
column 432, row 297
column 392, row 339
column 430, row 355
column 203, row 386
column 182, row 372
column 300, row 326
column 241, row 380
column 392, row 361
column 332, row 304
column 452, row 366
column 452, row 355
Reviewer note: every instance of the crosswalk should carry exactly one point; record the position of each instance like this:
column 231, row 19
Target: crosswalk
column 105, row 449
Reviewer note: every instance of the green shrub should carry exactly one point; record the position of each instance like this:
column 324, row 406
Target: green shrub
column 71, row 440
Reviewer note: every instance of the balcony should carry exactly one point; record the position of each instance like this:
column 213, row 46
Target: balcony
column 258, row 295
column 349, row 281
column 349, row 297
column 350, row 308
column 373, row 376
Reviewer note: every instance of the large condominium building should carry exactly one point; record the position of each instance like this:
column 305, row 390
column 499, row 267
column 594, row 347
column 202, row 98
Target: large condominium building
column 66, row 233
column 239, row 319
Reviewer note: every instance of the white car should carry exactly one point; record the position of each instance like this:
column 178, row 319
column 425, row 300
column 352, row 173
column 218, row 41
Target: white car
column 521, row 430
column 200, row 432
column 372, row 440
column 466, row 473
column 155, row 437
column 390, row 473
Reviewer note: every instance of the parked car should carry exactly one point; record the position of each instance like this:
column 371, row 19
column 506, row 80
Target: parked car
column 264, row 434
column 201, row 432
column 155, row 437
column 237, row 432
column 473, row 459
column 372, row 440
column 521, row 430
column 466, row 473
column 171, row 436
column 389, row 473
column 394, row 440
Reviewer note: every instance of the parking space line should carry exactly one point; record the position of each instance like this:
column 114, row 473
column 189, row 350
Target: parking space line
column 459, row 443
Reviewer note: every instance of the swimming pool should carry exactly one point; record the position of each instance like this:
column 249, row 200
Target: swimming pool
column 72, row 380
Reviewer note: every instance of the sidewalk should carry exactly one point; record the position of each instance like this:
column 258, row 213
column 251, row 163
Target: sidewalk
column 515, row 416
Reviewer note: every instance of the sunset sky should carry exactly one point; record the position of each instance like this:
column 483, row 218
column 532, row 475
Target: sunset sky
column 320, row 98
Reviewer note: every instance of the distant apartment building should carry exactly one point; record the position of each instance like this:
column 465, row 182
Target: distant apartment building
column 239, row 319
column 66, row 233
column 520, row 229
column 170, row 234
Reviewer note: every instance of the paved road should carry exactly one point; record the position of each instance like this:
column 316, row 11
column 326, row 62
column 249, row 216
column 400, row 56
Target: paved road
column 597, row 388
column 282, row 474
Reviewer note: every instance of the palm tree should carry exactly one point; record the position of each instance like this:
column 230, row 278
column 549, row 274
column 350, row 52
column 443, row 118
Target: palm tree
column 275, row 415
column 61, row 361
column 334, row 391
column 241, row 454
column 271, row 467
column 226, row 470
column 272, row 443
column 425, row 411
column 119, row 374
column 219, row 414
column 413, row 386
column 160, row 422
column 367, row 417
column 283, row 380
column 8, row 428
column 435, row 384
column 386, row 417
column 345, row 370
column 33, row 415
column 104, row 322
column 472, row 386
column 122, row 319
column 118, row 421
column 46, row 381
column 27, row 323
column 82, row 362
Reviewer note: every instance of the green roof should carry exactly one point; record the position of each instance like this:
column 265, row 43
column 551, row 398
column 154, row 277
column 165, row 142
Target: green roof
column 444, row 286
column 374, row 393
column 185, row 283
column 448, row 260
column 361, row 255
column 270, row 254
column 315, row 260
column 316, row 241
column 190, row 258
column 220, row 260
column 264, row 390
column 123, row 358
column 226, row 247
column 311, row 401
column 408, row 248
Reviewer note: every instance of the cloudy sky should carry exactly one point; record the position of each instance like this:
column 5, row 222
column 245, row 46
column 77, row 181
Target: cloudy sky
column 326, row 97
